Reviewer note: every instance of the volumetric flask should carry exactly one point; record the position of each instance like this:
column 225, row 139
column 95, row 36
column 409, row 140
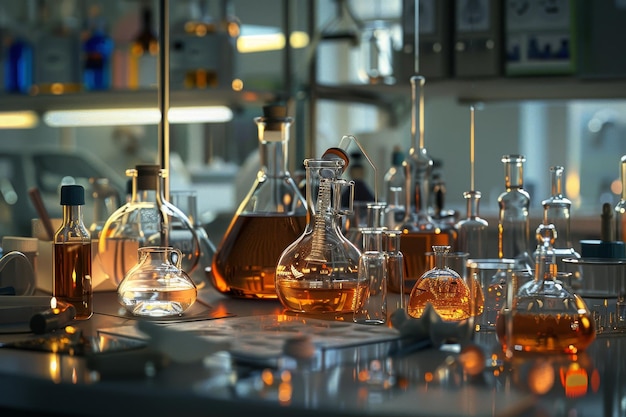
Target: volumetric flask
column 270, row 218
column 318, row 273
column 148, row 219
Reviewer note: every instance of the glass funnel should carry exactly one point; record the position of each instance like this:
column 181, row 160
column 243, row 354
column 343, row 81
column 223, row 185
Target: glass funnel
column 444, row 288
column 318, row 272
column 157, row 286
column 148, row 219
column 545, row 316
column 269, row 219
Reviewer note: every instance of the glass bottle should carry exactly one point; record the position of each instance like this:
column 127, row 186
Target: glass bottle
column 144, row 49
column 556, row 211
column 444, row 288
column 148, row 219
column 72, row 254
column 420, row 232
column 545, row 316
column 472, row 231
column 157, row 286
column 57, row 50
column 513, row 220
column 395, row 190
column 18, row 63
column 269, row 219
column 620, row 207
column 98, row 51
column 318, row 272
column 371, row 304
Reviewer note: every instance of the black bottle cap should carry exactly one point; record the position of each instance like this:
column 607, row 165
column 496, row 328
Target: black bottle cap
column 274, row 115
column 147, row 176
column 72, row 195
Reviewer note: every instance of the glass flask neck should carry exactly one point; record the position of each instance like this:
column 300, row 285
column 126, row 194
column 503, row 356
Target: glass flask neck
column 323, row 187
column 419, row 168
column 440, row 253
column 556, row 209
column 372, row 239
column 472, row 200
column 73, row 216
column 273, row 137
column 392, row 241
column 513, row 171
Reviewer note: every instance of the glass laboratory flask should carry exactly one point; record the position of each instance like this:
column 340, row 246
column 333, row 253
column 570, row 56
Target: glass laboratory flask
column 318, row 272
column 269, row 219
column 395, row 189
column 472, row 231
column 545, row 316
column 420, row 232
column 157, row 286
column 442, row 287
column 620, row 207
column 148, row 219
column 513, row 217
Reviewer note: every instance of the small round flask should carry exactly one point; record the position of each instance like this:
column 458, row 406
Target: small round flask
column 157, row 286
column 545, row 316
column 442, row 287
column 318, row 272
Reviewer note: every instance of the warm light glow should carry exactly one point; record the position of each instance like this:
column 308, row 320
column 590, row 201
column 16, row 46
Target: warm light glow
column 616, row 187
column 572, row 185
column 136, row 116
column 262, row 39
column 18, row 119
column 53, row 302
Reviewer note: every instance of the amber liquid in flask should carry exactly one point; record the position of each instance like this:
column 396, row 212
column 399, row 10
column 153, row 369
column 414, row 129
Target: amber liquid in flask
column 246, row 264
column 73, row 260
column 268, row 220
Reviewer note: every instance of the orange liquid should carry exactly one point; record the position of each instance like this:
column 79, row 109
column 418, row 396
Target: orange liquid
column 450, row 297
column 566, row 333
column 72, row 263
column 339, row 298
column 244, row 265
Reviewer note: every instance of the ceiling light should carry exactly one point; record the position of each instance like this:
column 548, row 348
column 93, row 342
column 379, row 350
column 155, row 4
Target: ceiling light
column 18, row 119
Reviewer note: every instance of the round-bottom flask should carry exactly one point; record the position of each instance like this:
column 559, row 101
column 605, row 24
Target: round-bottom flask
column 157, row 286
column 444, row 288
column 318, row 273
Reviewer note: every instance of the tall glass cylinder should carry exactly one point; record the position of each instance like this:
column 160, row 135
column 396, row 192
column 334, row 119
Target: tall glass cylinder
column 395, row 265
column 620, row 208
column 371, row 304
column 318, row 272
column 513, row 216
column 269, row 219
column 472, row 231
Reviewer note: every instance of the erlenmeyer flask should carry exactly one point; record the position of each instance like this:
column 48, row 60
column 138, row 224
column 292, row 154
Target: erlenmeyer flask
column 271, row 217
column 146, row 220
column 318, row 273
column 420, row 232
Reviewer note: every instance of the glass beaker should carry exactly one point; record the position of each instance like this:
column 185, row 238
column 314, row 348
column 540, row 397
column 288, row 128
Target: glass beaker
column 444, row 288
column 148, row 219
column 371, row 304
column 318, row 272
column 513, row 217
column 157, row 286
column 545, row 316
column 269, row 219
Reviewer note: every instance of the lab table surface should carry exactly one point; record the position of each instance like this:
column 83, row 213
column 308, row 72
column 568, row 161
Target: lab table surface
column 375, row 378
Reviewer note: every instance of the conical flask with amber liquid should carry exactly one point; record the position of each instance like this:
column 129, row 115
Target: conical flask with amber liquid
column 270, row 218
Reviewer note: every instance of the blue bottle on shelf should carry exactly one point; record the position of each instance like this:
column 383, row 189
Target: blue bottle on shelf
column 98, row 49
column 18, row 70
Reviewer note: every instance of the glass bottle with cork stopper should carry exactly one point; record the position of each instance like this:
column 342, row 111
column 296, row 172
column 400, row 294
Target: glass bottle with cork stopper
column 72, row 254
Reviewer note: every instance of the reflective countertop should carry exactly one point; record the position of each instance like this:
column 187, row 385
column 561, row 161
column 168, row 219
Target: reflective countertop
column 383, row 378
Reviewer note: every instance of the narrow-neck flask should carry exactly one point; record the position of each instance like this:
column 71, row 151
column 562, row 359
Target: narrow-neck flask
column 395, row 191
column 513, row 217
column 556, row 211
column 420, row 231
column 318, row 272
column 472, row 231
column 148, row 219
column 72, row 254
column 269, row 219
column 545, row 316
column 620, row 207
column 442, row 287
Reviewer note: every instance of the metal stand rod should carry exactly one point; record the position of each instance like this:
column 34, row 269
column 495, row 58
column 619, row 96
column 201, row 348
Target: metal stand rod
column 164, row 92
